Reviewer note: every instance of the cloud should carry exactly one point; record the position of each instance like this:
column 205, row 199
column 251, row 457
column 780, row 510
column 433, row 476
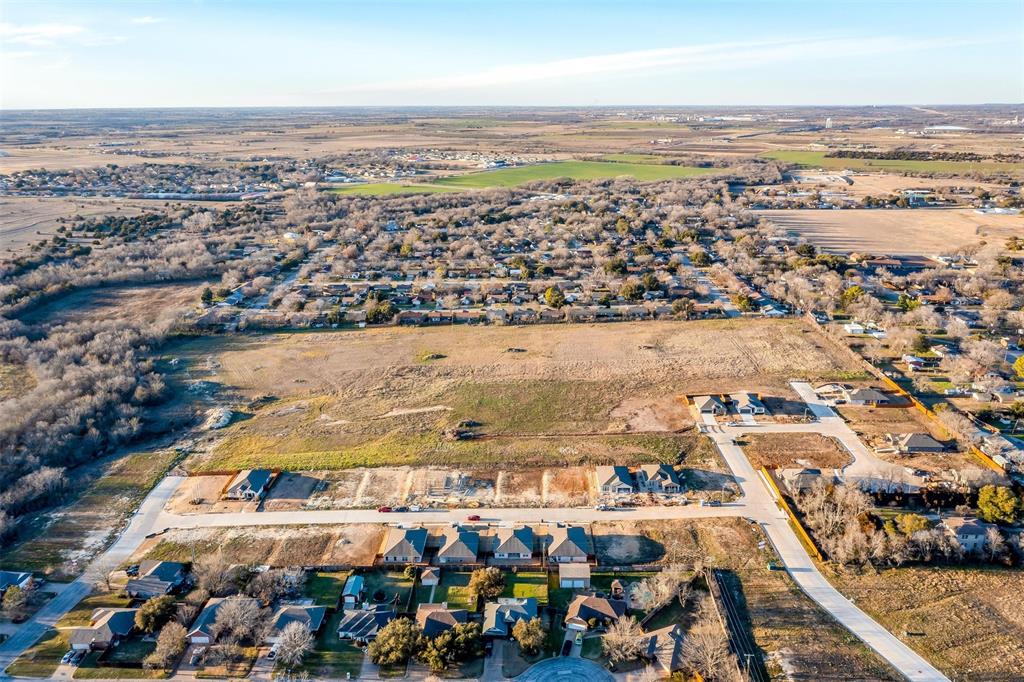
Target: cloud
column 38, row 35
column 729, row 55
column 146, row 20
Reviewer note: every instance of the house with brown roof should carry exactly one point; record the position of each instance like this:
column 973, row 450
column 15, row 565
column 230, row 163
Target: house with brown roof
column 433, row 619
column 588, row 607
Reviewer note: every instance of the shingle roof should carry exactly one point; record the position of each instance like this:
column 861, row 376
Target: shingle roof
column 515, row 540
column 310, row 616
column 501, row 615
column 569, row 541
column 405, row 542
column 460, row 544
column 584, row 607
column 434, row 619
column 364, row 623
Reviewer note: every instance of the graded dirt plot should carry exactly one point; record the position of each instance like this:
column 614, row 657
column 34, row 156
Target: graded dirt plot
column 343, row 545
column 789, row 450
column 966, row 621
column 580, row 393
column 908, row 232
column 203, row 494
column 290, row 491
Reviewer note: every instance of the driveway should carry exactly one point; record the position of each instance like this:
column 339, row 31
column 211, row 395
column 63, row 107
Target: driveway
column 565, row 669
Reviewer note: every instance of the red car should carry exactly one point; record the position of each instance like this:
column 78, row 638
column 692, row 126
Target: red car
column 383, row 510
column 473, row 517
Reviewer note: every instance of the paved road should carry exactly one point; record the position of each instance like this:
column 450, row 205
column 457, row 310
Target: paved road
column 141, row 524
column 757, row 503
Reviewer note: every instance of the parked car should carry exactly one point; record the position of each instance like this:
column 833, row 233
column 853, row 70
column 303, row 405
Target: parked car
column 383, row 510
column 602, row 507
column 401, row 509
column 567, row 647
column 67, row 657
column 272, row 655
column 473, row 517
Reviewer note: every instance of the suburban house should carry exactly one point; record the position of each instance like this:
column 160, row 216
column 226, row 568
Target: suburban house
column 430, row 576
column 968, row 531
column 155, row 579
column 501, row 616
column 404, row 545
column 707, row 404
column 14, row 579
column 568, row 544
column 799, row 480
column 664, row 647
column 363, row 624
column 865, row 396
column 249, row 484
column 514, row 543
column 748, row 403
column 434, row 619
column 459, row 547
column 353, row 592
column 106, row 627
column 202, row 631
column 614, row 480
column 587, row 607
column 658, row 478
column 917, row 442
column 312, row 617
column 574, row 576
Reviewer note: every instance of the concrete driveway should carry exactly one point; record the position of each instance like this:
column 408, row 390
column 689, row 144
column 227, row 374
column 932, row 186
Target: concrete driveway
column 566, row 669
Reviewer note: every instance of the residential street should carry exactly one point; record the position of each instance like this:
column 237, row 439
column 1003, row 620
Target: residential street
column 757, row 503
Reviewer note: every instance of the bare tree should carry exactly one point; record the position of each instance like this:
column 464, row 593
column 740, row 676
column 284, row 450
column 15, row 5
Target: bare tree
column 623, row 641
column 707, row 651
column 296, row 641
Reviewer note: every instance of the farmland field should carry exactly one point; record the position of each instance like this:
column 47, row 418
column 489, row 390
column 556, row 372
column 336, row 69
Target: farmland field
column 389, row 188
column 819, row 160
column 577, row 170
column 910, row 232
column 365, row 398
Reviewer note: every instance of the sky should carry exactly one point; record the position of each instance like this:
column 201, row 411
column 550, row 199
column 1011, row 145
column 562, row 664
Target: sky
column 86, row 54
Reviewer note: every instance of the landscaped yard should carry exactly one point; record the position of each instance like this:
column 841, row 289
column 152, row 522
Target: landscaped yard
column 391, row 583
column 239, row 668
column 42, row 658
column 332, row 657
column 132, row 651
column 453, row 588
column 325, row 588
column 81, row 615
column 527, row 584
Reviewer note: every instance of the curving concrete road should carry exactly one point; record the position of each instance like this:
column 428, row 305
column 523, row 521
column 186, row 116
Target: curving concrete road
column 757, row 503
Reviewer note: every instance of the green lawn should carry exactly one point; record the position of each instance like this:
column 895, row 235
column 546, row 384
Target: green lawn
column 325, row 588
column 575, row 170
column 130, row 651
column 391, row 583
column 42, row 658
column 819, row 160
column 332, row 658
column 81, row 615
column 592, row 648
column 454, row 589
column 634, row 158
column 389, row 189
column 527, row 584
column 669, row 615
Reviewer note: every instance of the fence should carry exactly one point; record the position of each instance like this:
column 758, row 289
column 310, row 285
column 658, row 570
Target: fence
column 797, row 525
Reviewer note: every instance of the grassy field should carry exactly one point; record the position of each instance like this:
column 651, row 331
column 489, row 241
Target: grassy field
column 42, row 658
column 819, row 160
column 389, row 188
column 81, row 615
column 576, row 170
column 957, row 617
column 60, row 545
column 363, row 398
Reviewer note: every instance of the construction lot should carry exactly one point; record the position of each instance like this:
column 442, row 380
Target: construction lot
column 789, row 450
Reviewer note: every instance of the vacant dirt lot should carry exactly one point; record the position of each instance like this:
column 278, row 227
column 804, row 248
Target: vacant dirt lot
column 202, row 494
column 146, row 304
column 966, row 621
column 789, row 450
column 578, row 394
column 922, row 232
column 350, row 544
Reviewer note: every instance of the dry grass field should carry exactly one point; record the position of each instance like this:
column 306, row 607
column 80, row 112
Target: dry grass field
column 968, row 622
column 579, row 393
column 145, row 304
column 789, row 450
column 921, row 232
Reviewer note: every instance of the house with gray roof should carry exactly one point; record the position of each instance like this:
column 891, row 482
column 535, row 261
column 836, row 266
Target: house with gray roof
column 615, row 480
column 709, row 404
column 568, row 544
column 203, row 630
column 514, row 543
column 106, row 628
column 658, row 478
column 363, row 624
column 459, row 547
column 433, row 619
column 910, row 443
column 249, row 484
column 14, row 579
column 664, row 647
column 404, row 545
column 500, row 616
column 155, row 579
column 311, row 617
